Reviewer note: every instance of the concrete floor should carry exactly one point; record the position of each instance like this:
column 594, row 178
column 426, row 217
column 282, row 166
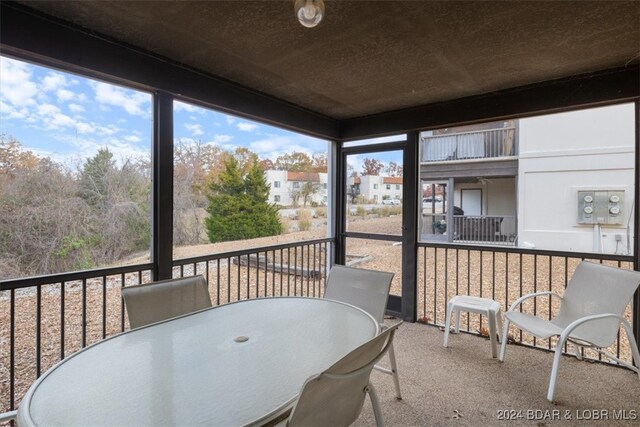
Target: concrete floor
column 463, row 386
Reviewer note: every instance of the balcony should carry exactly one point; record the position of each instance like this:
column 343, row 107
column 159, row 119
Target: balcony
column 245, row 62
column 471, row 229
column 476, row 145
column 46, row 319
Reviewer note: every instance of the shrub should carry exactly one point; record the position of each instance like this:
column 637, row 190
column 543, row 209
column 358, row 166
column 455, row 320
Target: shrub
column 238, row 206
column 304, row 219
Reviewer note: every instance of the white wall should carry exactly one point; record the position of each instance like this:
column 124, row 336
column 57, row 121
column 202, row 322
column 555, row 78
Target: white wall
column 561, row 154
column 283, row 191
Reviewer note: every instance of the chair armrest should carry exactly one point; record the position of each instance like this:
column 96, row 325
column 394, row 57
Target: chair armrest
column 8, row 416
column 384, row 327
column 567, row 331
column 528, row 296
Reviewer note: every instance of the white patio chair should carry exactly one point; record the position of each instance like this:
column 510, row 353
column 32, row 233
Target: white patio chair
column 336, row 396
column 165, row 299
column 368, row 290
column 591, row 311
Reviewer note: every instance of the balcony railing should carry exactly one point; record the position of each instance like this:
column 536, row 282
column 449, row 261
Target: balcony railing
column 485, row 144
column 504, row 275
column 44, row 319
column 487, row 229
column 478, row 229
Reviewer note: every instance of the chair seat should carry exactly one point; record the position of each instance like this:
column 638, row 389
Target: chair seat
column 541, row 328
column 534, row 325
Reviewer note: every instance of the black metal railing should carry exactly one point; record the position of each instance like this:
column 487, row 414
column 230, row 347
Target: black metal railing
column 504, row 274
column 488, row 229
column 292, row 269
column 472, row 229
column 44, row 319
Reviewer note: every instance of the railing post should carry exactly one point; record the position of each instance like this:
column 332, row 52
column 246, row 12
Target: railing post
column 410, row 198
column 636, row 226
column 162, row 181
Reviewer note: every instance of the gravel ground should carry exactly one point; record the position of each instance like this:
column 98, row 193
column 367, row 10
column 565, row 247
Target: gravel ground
column 448, row 272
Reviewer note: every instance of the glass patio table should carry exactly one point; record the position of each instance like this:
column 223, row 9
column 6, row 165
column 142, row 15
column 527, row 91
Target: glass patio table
column 242, row 363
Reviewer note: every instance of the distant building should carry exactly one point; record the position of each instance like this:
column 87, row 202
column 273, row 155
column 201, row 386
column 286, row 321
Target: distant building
column 291, row 188
column 550, row 182
column 375, row 188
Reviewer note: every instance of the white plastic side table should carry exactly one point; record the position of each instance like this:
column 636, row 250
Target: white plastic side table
column 488, row 307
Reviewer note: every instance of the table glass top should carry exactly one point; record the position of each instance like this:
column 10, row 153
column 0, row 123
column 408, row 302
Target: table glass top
column 229, row 365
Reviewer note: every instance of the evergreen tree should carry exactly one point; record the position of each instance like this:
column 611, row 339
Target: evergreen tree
column 238, row 206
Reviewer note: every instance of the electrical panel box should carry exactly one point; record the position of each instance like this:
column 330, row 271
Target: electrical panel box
column 600, row 207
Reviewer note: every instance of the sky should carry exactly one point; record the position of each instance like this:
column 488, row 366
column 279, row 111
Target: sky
column 68, row 118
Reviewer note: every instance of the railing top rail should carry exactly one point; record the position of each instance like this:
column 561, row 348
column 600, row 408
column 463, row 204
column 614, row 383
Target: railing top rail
column 483, row 216
column 51, row 279
column 541, row 252
column 448, row 135
column 232, row 254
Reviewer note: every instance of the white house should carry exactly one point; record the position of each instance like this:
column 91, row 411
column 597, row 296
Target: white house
column 290, row 188
column 377, row 188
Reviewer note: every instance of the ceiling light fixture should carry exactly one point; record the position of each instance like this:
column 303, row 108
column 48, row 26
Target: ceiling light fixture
column 309, row 12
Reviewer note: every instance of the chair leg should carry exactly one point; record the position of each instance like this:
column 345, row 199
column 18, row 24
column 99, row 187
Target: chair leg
column 458, row 320
column 554, row 369
column 394, row 371
column 375, row 404
column 503, row 344
column 576, row 351
column 447, row 324
column 634, row 347
column 500, row 325
column 492, row 333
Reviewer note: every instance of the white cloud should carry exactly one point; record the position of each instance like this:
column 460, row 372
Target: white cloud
column 48, row 109
column 11, row 112
column 183, row 106
column 220, row 139
column 64, row 95
column 194, row 128
column 246, row 127
column 230, row 119
column 108, row 130
column 135, row 103
column 16, row 85
column 276, row 145
column 53, row 81
column 60, row 120
column 85, row 128
column 132, row 138
column 76, row 108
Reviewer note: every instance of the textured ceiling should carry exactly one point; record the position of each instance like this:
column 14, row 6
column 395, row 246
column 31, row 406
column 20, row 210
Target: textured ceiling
column 371, row 57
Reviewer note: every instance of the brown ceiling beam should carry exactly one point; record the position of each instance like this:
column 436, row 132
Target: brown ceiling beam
column 29, row 35
column 582, row 91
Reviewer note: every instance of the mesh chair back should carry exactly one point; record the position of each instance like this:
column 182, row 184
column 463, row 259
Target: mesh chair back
column 336, row 396
column 165, row 299
column 597, row 289
column 365, row 289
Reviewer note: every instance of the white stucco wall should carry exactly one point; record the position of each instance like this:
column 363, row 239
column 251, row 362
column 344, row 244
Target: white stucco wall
column 561, row 154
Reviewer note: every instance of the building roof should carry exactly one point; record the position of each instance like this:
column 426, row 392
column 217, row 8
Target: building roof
column 303, row 176
column 392, row 179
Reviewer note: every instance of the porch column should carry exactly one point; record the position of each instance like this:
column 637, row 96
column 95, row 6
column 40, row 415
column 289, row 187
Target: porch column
column 636, row 226
column 162, row 182
column 451, row 226
column 411, row 200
